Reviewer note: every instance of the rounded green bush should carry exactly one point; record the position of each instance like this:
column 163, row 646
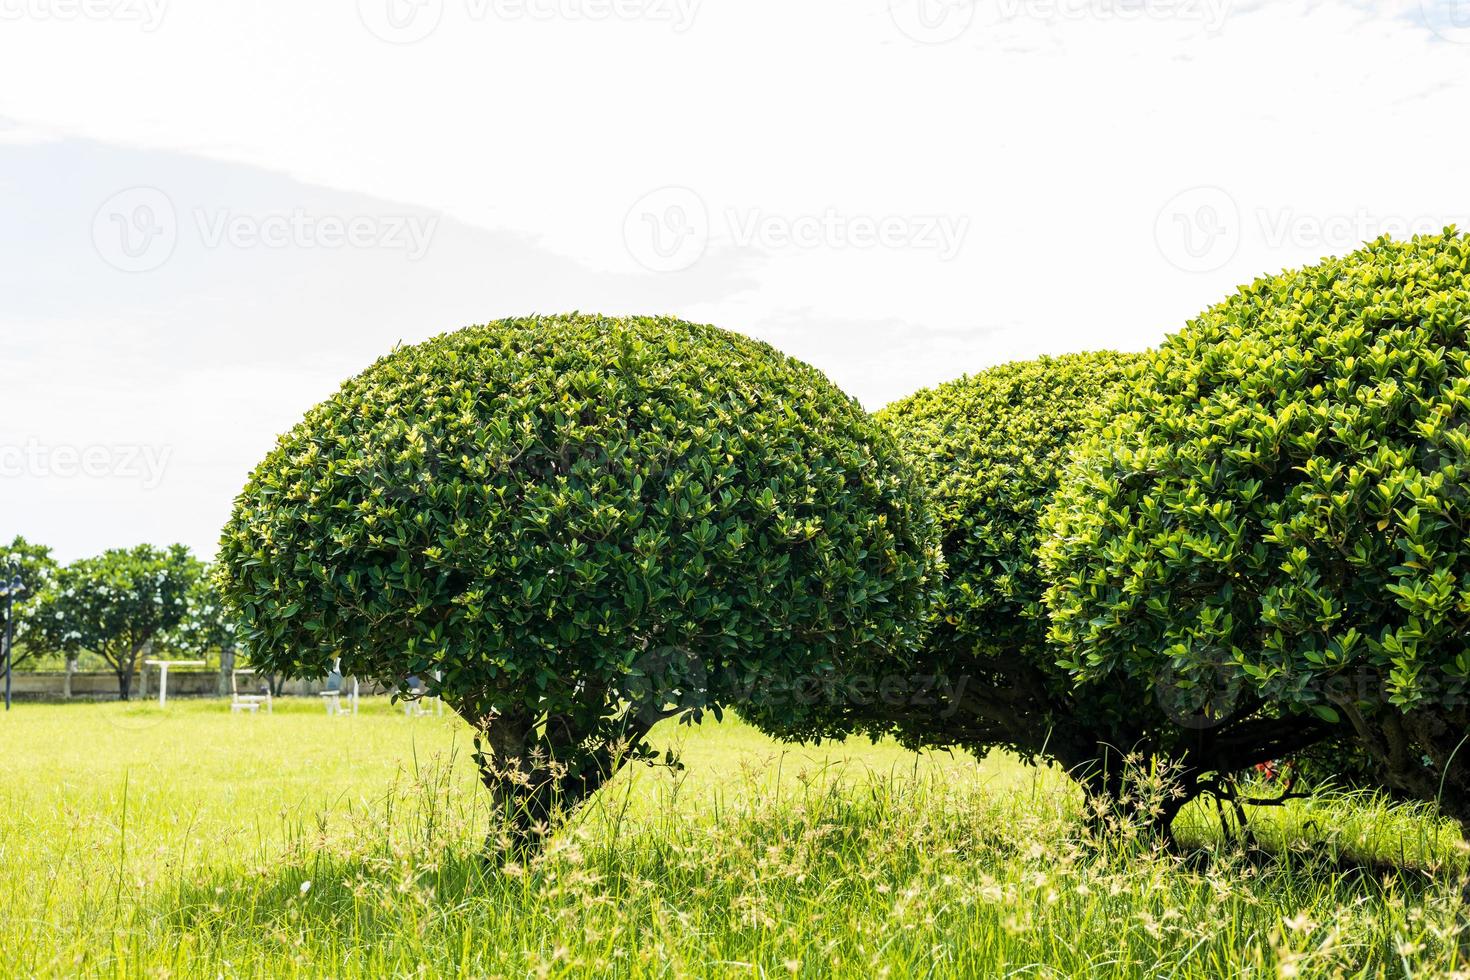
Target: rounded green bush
column 1278, row 510
column 580, row 525
column 991, row 447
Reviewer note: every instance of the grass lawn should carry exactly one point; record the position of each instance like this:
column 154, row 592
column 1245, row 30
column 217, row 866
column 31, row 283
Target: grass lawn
column 190, row 842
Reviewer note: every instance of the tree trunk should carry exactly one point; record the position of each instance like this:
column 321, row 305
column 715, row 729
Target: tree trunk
column 508, row 773
column 1446, row 737
column 1100, row 768
column 536, row 778
column 226, row 668
column 71, row 668
column 530, row 802
column 1424, row 754
column 126, row 667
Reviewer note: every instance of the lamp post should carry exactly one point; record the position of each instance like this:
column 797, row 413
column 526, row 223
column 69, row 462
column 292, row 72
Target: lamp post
column 11, row 588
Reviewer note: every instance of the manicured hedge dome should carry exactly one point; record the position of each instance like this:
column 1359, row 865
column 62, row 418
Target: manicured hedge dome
column 1285, row 495
column 536, row 505
column 991, row 448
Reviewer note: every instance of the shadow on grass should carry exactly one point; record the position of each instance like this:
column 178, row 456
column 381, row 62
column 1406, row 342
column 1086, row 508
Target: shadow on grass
column 407, row 883
column 368, row 899
column 1352, row 834
column 1355, row 875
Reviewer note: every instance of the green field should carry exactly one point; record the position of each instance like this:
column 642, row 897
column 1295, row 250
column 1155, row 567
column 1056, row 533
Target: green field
column 190, row 843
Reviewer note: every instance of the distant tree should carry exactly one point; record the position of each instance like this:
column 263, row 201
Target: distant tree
column 37, row 571
column 208, row 627
column 118, row 605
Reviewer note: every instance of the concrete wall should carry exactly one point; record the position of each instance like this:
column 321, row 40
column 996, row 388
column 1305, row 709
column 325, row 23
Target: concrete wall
column 102, row 685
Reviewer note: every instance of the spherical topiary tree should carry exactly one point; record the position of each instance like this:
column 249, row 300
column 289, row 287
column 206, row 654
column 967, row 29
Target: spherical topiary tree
column 989, row 448
column 1280, row 510
column 572, row 527
column 992, row 447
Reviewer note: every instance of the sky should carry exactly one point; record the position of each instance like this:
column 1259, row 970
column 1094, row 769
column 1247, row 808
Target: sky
column 214, row 213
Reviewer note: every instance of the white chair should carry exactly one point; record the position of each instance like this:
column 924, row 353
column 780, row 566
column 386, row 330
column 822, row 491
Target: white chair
column 336, row 687
column 248, row 702
column 416, row 705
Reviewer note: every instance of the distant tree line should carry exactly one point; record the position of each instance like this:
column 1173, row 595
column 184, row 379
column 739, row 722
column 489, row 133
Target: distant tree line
column 117, row 608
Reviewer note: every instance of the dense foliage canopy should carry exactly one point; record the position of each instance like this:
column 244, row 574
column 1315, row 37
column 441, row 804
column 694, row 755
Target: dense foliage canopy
column 1280, row 509
column 989, row 447
column 573, row 526
column 992, row 448
column 36, row 569
column 117, row 605
column 208, row 625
